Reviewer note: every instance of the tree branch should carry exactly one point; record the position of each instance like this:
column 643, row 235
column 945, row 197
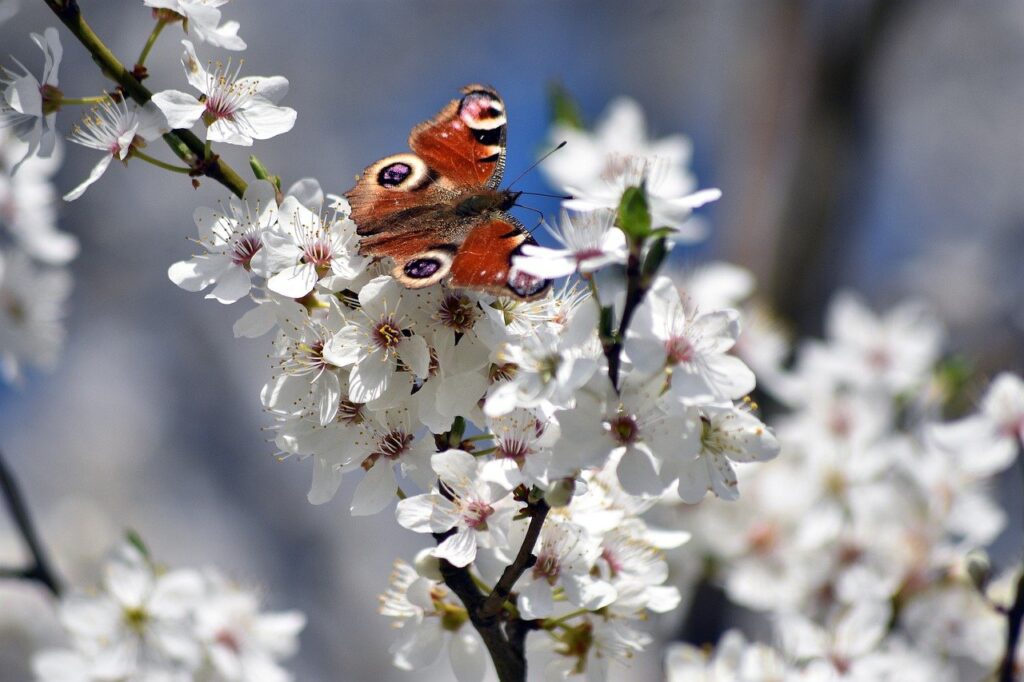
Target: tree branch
column 40, row 569
column 183, row 143
column 503, row 635
column 508, row 656
column 1013, row 622
column 524, row 560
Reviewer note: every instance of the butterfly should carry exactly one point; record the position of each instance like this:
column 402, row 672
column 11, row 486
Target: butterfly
column 437, row 212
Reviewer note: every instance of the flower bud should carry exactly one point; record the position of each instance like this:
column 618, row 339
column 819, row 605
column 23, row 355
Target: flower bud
column 428, row 565
column 560, row 494
column 978, row 568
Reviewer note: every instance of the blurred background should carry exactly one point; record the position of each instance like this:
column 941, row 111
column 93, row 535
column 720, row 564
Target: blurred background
column 877, row 145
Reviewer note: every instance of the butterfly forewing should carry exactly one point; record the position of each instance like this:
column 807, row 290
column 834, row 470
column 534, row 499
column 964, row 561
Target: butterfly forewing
column 465, row 142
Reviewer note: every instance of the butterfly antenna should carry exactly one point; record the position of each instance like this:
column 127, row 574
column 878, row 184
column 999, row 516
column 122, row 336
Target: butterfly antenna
column 538, row 212
column 550, row 196
column 537, row 163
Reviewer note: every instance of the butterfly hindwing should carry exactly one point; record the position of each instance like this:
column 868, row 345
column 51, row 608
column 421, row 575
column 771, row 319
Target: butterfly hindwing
column 484, row 260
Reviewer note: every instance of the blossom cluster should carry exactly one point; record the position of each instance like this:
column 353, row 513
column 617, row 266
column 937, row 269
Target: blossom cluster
column 34, row 254
column 146, row 622
column 862, row 539
column 471, row 407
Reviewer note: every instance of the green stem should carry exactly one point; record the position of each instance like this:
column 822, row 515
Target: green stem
column 550, row 623
column 479, row 436
column 207, row 150
column 141, row 61
column 98, row 99
column 160, row 164
column 184, row 143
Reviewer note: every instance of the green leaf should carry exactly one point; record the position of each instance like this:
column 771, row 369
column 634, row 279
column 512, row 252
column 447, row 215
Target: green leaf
column 634, row 217
column 135, row 540
column 663, row 231
column 564, row 109
column 655, row 257
column 258, row 169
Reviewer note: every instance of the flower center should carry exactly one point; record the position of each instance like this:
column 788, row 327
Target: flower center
column 392, row 444
column 587, row 254
column 387, row 334
column 350, row 412
column 457, row 312
column 244, row 249
column 610, row 558
column 502, row 372
column 51, row 96
column 513, row 448
column 228, row 640
column 135, row 618
column 624, row 429
column 547, row 568
column 679, row 350
column 547, row 367
column 476, row 513
column 317, row 253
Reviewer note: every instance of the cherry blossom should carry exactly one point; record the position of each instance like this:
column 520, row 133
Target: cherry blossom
column 467, row 495
column 116, row 128
column 201, row 19
column 233, row 240
column 235, row 110
column 29, row 106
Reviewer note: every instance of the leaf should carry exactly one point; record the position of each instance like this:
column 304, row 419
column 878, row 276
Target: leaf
column 655, row 257
column 634, row 218
column 135, row 540
column 564, row 109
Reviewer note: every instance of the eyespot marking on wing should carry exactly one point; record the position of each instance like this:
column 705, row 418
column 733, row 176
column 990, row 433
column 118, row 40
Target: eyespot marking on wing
column 403, row 172
column 425, row 268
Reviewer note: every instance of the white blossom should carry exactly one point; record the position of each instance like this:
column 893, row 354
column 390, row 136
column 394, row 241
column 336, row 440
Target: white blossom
column 115, row 128
column 235, row 110
column 465, row 501
column 589, row 241
column 29, row 106
column 233, row 240
column 202, row 19
column 32, row 301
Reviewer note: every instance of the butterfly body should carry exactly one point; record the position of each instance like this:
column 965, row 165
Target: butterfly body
column 438, row 213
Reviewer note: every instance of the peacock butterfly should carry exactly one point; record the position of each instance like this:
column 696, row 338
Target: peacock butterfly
column 438, row 213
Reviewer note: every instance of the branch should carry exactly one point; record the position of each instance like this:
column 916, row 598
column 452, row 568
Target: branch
column 183, row 143
column 524, row 559
column 507, row 652
column 1013, row 623
column 40, row 569
column 503, row 635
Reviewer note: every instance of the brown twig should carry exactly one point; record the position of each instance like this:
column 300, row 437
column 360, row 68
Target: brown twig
column 40, row 568
column 524, row 560
column 183, row 143
column 1007, row 670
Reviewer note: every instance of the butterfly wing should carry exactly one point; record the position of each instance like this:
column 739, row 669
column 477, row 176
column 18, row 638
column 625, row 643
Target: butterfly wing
column 484, row 260
column 462, row 147
column 411, row 207
column 465, row 142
